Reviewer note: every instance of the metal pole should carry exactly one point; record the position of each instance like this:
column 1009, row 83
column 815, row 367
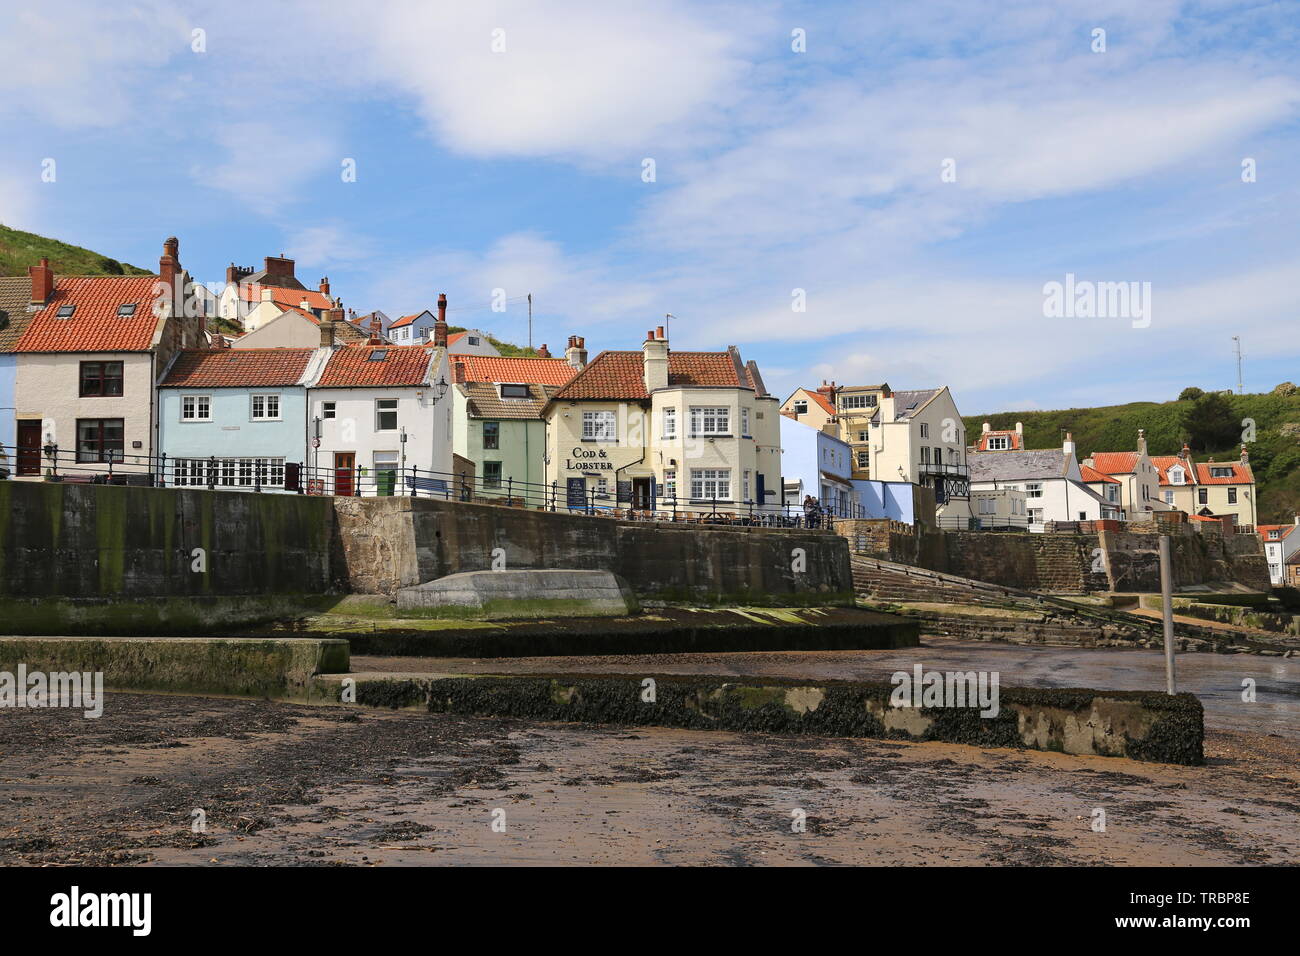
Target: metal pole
column 1167, row 606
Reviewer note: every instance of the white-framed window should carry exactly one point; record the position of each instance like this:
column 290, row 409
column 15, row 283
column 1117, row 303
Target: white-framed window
column 327, row 409
column 864, row 459
column 1035, row 515
column 1169, row 496
column 670, row 483
column 265, row 408
column 599, row 426
column 602, row 487
column 1220, row 472
column 710, row 420
column 925, row 430
column 1033, row 489
column 386, row 460
column 999, row 443
column 857, row 401
column 670, row 423
column 1176, row 476
column 708, row 483
column 385, row 414
column 744, row 422
column 862, row 435
column 228, row 472
column 801, row 408
column 744, row 485
column 196, row 408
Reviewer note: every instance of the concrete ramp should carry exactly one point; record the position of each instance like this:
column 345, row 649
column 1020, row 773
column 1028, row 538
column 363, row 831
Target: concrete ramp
column 531, row 592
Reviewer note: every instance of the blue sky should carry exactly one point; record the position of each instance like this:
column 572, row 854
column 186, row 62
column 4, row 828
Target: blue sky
column 522, row 169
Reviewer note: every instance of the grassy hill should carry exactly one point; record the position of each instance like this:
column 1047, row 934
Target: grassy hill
column 1274, row 455
column 507, row 349
column 18, row 250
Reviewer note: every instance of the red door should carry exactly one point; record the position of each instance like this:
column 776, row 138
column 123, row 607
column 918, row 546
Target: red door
column 29, row 448
column 345, row 463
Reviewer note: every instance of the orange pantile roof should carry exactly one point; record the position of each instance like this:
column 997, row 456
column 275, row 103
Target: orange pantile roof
column 1285, row 530
column 251, row 292
column 95, row 325
column 1164, row 462
column 405, row 320
column 351, row 366
column 1092, row 474
column 1016, row 443
column 620, row 375
column 237, row 368
column 1241, row 473
column 535, row 371
column 821, row 400
column 1115, row 462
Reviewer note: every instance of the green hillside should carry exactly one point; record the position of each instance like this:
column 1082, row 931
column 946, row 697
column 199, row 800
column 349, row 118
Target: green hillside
column 1274, row 454
column 18, row 250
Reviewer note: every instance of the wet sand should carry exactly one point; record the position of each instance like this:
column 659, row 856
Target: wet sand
column 286, row 784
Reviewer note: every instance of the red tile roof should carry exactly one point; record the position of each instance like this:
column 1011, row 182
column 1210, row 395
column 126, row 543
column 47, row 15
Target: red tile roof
column 351, row 366
column 1164, row 462
column 535, row 371
column 251, row 292
column 1016, row 443
column 821, row 400
column 405, row 320
column 1241, row 473
column 1092, row 474
column 237, row 368
column 1115, row 462
column 1286, row 529
column 620, row 375
column 95, row 325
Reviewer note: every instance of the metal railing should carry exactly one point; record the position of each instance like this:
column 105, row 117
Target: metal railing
column 983, row 522
column 271, row 474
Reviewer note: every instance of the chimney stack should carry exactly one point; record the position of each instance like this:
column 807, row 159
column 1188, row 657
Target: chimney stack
column 654, row 359
column 169, row 269
column 1020, row 429
column 328, row 328
column 376, row 329
column 1245, row 455
column 278, row 267
column 576, row 353
column 1067, row 446
column 986, row 428
column 42, row 277
column 1184, row 452
column 459, row 372
column 440, row 326
column 325, row 286
column 543, row 352
column 1142, row 442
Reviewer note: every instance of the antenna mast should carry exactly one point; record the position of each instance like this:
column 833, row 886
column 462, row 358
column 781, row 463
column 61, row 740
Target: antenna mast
column 1236, row 339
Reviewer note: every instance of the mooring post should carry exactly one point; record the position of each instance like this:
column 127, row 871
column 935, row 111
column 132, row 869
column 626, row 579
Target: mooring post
column 1167, row 605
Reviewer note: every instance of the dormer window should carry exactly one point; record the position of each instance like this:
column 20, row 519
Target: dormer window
column 515, row 391
column 999, row 443
column 126, row 309
column 1220, row 472
column 65, row 311
column 473, row 340
column 1176, row 476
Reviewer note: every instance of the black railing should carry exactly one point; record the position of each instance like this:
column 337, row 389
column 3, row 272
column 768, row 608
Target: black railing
column 262, row 473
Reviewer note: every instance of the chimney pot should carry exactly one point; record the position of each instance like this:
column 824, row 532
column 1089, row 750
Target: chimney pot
column 42, row 277
column 543, row 352
column 440, row 326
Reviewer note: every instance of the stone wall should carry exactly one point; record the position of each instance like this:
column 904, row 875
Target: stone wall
column 1068, row 563
column 391, row 543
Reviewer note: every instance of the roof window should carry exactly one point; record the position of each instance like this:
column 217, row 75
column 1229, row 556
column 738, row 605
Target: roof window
column 126, row 308
column 65, row 311
column 378, row 355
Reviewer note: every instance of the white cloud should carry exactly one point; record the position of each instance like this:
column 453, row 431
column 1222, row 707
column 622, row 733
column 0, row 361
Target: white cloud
column 585, row 78
column 265, row 166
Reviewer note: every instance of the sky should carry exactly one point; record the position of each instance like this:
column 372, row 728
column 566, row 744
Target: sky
column 859, row 192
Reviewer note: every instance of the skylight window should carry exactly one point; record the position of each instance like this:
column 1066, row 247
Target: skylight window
column 65, row 311
column 515, row 391
column 126, row 308
column 378, row 355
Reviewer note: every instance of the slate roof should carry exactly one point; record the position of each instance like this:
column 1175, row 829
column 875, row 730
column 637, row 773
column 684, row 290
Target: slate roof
column 95, row 326
column 350, row 366
column 484, row 401
column 15, row 294
column 1017, row 465
column 619, row 376
column 237, row 368
column 494, row 368
column 908, row 403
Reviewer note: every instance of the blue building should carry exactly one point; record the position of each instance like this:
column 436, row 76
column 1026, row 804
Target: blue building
column 816, row 463
column 235, row 417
